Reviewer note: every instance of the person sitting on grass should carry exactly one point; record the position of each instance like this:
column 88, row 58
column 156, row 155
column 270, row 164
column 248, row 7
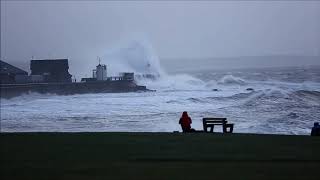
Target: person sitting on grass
column 185, row 122
column 315, row 131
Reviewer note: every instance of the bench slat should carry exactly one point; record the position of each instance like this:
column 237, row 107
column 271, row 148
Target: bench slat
column 214, row 121
column 221, row 119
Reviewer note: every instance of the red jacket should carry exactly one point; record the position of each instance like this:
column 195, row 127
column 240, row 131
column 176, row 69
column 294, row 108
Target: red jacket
column 185, row 121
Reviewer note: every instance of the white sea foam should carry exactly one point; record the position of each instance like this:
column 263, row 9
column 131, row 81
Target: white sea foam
column 231, row 80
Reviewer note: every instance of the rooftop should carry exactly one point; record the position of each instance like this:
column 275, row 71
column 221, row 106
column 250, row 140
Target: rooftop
column 6, row 68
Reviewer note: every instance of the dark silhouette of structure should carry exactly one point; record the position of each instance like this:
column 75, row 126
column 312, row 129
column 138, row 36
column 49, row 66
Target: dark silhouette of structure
column 52, row 70
column 52, row 76
column 315, row 131
column 211, row 122
column 10, row 74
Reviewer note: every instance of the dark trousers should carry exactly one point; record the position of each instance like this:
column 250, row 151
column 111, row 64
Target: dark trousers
column 187, row 129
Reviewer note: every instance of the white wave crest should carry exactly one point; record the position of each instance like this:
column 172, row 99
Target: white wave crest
column 231, row 80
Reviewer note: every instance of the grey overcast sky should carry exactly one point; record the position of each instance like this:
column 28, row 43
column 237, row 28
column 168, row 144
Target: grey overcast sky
column 82, row 30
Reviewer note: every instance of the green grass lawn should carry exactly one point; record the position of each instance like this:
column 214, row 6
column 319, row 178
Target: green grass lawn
column 158, row 156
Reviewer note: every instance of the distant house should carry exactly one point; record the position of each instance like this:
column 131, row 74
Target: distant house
column 127, row 76
column 52, row 70
column 10, row 74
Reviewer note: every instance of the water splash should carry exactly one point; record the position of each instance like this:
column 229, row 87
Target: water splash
column 135, row 55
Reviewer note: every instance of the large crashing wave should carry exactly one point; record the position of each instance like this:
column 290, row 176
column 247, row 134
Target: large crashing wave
column 139, row 57
column 135, row 56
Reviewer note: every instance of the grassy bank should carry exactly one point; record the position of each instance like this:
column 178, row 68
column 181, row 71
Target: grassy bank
column 158, row 156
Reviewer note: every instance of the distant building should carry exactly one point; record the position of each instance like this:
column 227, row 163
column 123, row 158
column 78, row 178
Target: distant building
column 10, row 74
column 51, row 70
column 101, row 72
column 129, row 76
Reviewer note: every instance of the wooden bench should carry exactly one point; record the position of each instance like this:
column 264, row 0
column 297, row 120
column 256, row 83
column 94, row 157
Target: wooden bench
column 211, row 122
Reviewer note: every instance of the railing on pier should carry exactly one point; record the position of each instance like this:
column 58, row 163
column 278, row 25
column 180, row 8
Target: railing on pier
column 115, row 78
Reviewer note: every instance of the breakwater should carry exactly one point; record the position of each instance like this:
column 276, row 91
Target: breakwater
column 12, row 90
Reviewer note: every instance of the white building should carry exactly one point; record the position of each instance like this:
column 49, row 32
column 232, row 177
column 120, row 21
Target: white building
column 101, row 72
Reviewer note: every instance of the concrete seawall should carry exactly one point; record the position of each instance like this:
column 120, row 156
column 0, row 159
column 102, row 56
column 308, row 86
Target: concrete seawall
column 12, row 90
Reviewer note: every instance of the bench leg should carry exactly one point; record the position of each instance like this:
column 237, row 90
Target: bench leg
column 226, row 130
column 231, row 129
column 212, row 127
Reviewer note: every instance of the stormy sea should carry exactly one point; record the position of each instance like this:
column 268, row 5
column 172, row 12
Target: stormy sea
column 273, row 100
column 263, row 100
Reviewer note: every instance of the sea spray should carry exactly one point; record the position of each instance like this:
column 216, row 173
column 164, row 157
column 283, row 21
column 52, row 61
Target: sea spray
column 136, row 55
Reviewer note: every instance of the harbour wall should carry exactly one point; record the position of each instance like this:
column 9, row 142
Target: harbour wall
column 12, row 90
